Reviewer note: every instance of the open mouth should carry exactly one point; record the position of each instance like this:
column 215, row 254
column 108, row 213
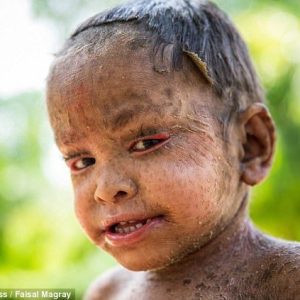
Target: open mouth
column 127, row 227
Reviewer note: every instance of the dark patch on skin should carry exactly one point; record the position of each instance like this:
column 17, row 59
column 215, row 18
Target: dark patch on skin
column 211, row 276
column 268, row 273
column 140, row 103
column 186, row 281
column 143, row 96
column 122, row 119
column 137, row 43
column 169, row 93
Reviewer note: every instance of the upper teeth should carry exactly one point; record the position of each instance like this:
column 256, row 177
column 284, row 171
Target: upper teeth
column 129, row 226
column 125, row 223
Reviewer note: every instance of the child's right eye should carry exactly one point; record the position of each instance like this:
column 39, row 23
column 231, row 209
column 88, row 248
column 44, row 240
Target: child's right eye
column 80, row 164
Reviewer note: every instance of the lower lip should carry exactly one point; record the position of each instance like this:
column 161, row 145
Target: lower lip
column 125, row 239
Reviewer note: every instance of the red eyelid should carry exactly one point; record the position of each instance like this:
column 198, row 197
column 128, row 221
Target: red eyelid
column 164, row 136
column 70, row 163
column 158, row 136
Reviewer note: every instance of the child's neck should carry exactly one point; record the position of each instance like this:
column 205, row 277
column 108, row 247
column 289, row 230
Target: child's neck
column 233, row 243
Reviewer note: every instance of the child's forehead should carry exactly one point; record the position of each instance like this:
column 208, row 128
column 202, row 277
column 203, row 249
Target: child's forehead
column 111, row 85
column 115, row 65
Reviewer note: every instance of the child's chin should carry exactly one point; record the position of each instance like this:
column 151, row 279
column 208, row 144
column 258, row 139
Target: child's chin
column 146, row 263
column 141, row 264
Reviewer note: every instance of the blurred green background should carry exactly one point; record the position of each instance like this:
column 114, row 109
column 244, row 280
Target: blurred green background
column 41, row 244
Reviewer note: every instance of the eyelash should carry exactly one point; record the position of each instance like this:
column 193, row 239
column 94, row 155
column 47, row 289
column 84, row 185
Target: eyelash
column 159, row 140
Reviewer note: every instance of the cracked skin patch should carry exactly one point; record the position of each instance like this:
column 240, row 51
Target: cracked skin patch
column 200, row 64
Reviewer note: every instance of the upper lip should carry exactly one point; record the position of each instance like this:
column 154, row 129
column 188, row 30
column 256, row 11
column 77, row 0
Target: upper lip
column 110, row 221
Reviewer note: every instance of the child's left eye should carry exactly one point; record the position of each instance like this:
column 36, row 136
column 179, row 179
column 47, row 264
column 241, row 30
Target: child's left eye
column 150, row 142
column 145, row 144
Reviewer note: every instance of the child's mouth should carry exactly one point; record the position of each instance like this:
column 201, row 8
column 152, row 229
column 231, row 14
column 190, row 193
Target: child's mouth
column 129, row 226
column 127, row 232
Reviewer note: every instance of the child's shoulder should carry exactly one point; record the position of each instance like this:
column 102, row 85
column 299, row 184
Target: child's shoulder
column 280, row 254
column 109, row 285
column 278, row 269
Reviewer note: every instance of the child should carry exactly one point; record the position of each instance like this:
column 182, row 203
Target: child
column 158, row 112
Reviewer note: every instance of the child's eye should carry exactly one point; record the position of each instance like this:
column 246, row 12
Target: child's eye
column 150, row 142
column 145, row 144
column 81, row 164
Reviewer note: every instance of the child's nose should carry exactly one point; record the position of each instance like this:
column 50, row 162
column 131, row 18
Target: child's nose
column 113, row 187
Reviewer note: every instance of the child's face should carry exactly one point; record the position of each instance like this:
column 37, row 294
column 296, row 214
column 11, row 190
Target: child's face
column 143, row 145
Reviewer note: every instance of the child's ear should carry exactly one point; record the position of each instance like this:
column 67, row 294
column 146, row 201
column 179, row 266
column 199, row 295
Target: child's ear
column 258, row 139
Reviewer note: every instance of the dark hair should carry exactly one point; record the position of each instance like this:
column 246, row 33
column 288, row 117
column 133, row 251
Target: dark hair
column 199, row 29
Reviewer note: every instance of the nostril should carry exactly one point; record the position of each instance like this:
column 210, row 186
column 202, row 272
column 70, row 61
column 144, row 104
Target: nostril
column 120, row 194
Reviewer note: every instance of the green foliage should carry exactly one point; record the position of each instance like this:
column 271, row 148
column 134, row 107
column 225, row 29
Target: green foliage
column 41, row 245
column 19, row 156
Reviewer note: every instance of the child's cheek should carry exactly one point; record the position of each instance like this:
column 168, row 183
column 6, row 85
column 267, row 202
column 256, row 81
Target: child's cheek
column 84, row 204
column 181, row 185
